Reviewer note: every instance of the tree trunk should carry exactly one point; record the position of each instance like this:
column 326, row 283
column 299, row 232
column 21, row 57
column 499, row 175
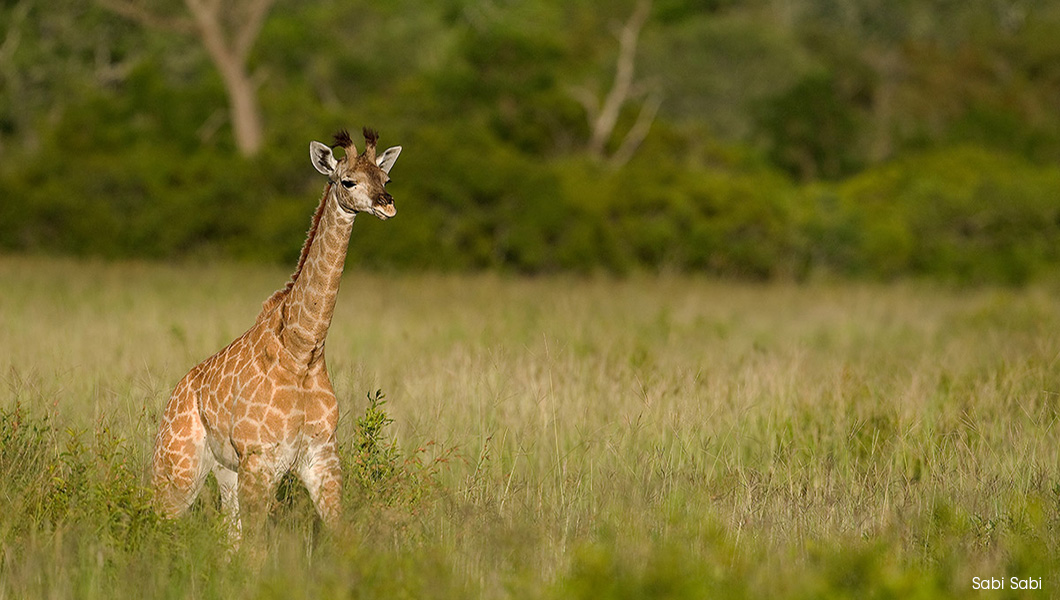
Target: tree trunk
column 227, row 30
column 229, row 54
column 603, row 115
column 247, row 126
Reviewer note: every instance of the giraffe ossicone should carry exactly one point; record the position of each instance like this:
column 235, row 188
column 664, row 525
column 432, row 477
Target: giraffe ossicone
column 264, row 404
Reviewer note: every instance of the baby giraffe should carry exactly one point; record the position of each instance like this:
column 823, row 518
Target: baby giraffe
column 264, row 405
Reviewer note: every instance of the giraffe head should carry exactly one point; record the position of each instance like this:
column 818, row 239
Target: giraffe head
column 359, row 180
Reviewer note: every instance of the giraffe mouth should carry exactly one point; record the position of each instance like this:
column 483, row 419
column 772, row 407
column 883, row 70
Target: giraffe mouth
column 384, row 212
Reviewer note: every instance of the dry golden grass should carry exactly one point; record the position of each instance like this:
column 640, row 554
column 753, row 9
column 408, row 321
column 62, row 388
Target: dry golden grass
column 654, row 436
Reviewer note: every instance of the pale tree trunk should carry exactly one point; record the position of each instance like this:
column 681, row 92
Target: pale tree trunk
column 603, row 115
column 246, row 117
column 229, row 51
column 227, row 30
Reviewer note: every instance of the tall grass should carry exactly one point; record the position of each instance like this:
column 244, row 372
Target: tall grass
column 554, row 437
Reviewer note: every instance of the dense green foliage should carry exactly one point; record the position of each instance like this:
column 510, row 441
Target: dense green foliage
column 866, row 138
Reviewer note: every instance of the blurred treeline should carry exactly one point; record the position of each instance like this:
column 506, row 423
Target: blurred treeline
column 749, row 138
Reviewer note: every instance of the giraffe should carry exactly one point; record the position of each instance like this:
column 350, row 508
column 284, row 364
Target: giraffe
column 264, row 404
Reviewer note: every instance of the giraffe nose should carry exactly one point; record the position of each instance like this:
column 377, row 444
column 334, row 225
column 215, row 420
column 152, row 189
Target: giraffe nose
column 385, row 206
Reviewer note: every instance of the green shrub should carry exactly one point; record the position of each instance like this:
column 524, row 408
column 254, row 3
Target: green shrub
column 380, row 473
column 964, row 214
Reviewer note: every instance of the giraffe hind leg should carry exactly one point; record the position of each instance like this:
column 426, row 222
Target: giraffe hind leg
column 181, row 458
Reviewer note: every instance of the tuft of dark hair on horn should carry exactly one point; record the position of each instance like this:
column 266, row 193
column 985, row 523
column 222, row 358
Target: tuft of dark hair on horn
column 342, row 138
column 371, row 136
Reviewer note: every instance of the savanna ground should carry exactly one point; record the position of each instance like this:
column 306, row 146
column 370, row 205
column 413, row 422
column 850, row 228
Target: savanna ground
column 556, row 437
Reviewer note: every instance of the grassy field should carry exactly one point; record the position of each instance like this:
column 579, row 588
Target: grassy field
column 552, row 438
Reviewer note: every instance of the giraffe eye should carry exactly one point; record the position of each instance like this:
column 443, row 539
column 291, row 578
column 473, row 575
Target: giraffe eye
column 346, row 183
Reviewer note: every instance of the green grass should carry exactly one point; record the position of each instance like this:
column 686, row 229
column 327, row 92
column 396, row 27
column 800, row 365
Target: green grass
column 551, row 438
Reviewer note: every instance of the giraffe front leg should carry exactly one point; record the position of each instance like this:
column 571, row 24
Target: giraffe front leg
column 257, row 485
column 322, row 475
column 228, row 484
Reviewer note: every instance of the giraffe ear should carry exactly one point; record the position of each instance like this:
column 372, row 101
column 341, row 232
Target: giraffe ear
column 386, row 160
column 322, row 158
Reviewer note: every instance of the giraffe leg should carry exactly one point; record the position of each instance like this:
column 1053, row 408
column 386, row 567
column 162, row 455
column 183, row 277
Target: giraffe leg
column 322, row 476
column 228, row 483
column 258, row 478
column 181, row 459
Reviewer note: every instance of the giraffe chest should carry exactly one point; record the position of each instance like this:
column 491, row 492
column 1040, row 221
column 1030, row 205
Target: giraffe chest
column 283, row 421
column 263, row 405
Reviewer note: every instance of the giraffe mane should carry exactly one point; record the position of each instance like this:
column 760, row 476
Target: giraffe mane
column 277, row 297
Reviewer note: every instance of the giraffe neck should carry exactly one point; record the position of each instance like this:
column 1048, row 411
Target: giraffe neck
column 310, row 303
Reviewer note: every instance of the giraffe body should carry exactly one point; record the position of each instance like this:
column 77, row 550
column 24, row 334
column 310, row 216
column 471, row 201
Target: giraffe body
column 264, row 404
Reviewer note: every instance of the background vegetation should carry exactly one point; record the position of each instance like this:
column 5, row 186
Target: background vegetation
column 749, row 138
column 552, row 437
column 568, row 435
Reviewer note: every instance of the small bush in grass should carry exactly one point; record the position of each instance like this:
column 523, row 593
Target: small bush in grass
column 378, row 469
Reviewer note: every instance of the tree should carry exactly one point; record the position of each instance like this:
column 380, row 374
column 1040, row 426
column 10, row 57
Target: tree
column 227, row 30
column 603, row 114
